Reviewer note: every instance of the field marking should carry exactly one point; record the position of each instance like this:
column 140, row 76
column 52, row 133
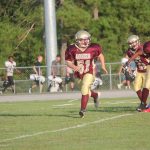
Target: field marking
column 91, row 103
column 119, row 103
column 66, row 104
column 72, row 100
column 62, row 105
column 65, row 129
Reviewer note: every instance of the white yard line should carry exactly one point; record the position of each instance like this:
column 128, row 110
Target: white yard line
column 119, row 103
column 91, row 103
column 66, row 104
column 72, row 100
column 65, row 129
column 62, row 105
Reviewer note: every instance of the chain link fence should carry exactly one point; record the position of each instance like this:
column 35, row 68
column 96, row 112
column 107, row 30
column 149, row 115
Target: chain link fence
column 23, row 82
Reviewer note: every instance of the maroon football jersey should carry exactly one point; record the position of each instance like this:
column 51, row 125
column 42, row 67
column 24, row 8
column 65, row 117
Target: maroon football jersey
column 83, row 59
column 146, row 50
column 141, row 61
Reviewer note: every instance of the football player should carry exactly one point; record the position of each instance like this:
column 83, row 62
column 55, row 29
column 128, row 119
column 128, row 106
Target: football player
column 80, row 57
column 146, row 53
column 141, row 62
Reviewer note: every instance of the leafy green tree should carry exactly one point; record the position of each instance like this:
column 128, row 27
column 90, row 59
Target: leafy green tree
column 110, row 22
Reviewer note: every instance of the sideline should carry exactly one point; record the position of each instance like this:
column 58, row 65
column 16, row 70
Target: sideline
column 65, row 129
column 64, row 96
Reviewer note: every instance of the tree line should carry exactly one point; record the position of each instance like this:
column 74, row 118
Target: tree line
column 110, row 22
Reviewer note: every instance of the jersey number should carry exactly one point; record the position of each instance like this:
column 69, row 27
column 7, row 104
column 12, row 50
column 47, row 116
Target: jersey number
column 84, row 66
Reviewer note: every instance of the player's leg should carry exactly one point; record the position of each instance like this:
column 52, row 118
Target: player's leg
column 12, row 84
column 145, row 92
column 85, row 89
column 41, row 87
column 5, row 85
column 72, row 86
column 72, row 81
column 34, row 84
column 138, row 85
column 95, row 96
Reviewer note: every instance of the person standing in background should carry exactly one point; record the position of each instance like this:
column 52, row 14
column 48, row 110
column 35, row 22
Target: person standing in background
column 10, row 65
column 56, row 66
column 37, row 77
column 126, row 78
column 56, row 69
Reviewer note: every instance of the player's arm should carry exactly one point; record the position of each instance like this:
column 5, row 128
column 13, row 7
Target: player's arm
column 102, row 60
column 72, row 66
column 34, row 69
column 138, row 53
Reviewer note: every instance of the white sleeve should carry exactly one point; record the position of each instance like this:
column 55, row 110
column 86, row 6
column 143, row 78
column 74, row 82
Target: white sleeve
column 14, row 64
column 6, row 63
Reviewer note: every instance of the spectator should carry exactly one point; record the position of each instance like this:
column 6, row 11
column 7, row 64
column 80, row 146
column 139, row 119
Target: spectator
column 10, row 65
column 126, row 78
column 37, row 77
column 55, row 84
column 56, row 66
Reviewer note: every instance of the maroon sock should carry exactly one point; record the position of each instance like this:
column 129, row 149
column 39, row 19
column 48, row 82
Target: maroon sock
column 84, row 101
column 139, row 93
column 94, row 95
column 145, row 94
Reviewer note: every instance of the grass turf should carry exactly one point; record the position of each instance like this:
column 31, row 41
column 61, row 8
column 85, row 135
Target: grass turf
column 56, row 125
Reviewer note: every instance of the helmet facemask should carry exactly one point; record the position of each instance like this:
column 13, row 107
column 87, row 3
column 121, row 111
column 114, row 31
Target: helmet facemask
column 133, row 42
column 83, row 39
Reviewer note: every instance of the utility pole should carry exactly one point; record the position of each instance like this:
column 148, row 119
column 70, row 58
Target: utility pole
column 50, row 33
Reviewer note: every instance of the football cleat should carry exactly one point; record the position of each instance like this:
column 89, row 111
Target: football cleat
column 81, row 113
column 146, row 110
column 96, row 100
column 141, row 107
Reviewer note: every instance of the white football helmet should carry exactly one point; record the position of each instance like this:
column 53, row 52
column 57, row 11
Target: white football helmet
column 133, row 42
column 83, row 39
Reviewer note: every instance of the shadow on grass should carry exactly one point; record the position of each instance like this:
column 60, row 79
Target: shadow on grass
column 40, row 115
column 116, row 109
column 72, row 113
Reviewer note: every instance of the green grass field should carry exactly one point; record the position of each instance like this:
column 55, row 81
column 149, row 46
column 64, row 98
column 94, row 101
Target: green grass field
column 56, row 125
